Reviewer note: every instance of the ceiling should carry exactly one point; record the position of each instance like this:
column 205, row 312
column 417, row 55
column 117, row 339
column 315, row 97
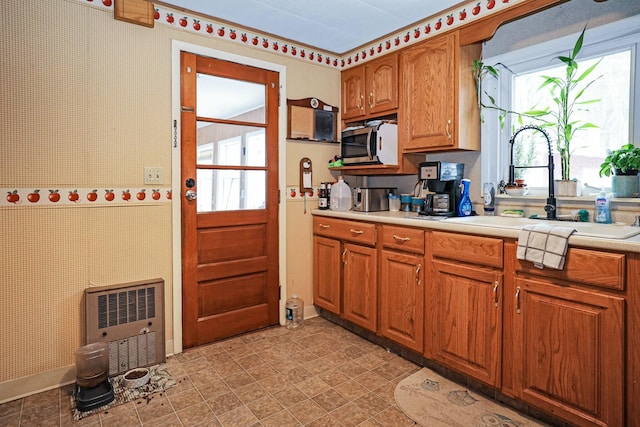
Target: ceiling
column 335, row 26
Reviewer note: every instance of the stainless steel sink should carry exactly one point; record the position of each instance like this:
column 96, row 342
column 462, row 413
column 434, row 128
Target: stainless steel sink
column 585, row 229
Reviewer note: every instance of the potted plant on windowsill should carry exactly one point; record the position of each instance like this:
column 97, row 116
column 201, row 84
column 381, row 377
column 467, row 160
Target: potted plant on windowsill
column 623, row 166
column 567, row 94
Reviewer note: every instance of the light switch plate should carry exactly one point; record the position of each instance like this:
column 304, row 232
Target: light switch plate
column 153, row 175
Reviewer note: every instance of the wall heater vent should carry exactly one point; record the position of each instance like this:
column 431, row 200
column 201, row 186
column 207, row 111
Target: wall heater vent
column 130, row 317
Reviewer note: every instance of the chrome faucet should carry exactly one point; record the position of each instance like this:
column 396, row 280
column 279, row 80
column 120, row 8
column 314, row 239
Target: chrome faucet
column 550, row 207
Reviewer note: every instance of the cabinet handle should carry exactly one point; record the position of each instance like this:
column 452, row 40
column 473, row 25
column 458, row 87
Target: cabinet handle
column 344, row 256
column 325, row 226
column 356, row 231
column 418, row 268
column 361, row 104
column 495, row 293
column 401, row 239
column 371, row 100
column 447, row 130
column 518, row 300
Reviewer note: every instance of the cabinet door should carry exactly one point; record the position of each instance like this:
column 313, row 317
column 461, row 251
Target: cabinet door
column 381, row 80
column 353, row 89
column 326, row 273
column 468, row 308
column 402, row 298
column 568, row 355
column 360, row 285
column 427, row 108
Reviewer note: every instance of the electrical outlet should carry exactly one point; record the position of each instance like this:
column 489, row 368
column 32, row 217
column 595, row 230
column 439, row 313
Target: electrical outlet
column 153, row 175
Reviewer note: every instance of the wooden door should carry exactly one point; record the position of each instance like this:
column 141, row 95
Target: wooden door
column 360, row 284
column 327, row 265
column 427, row 108
column 568, row 358
column 353, row 94
column 468, row 308
column 381, row 78
column 402, row 298
column 229, row 198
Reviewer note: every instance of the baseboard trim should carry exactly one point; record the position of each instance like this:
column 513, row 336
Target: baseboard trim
column 43, row 381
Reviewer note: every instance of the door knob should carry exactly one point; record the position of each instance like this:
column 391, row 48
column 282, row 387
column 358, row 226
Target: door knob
column 191, row 195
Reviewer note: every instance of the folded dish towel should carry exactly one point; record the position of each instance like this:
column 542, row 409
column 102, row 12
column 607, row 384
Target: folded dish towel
column 544, row 245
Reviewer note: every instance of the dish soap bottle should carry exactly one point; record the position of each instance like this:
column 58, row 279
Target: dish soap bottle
column 464, row 206
column 603, row 209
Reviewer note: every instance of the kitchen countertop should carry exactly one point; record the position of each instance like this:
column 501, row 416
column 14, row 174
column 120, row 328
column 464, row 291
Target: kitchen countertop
column 411, row 219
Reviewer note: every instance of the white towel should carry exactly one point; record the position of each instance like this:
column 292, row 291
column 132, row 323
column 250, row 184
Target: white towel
column 544, row 245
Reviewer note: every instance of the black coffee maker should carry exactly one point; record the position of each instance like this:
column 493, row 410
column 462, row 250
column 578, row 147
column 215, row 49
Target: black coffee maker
column 441, row 180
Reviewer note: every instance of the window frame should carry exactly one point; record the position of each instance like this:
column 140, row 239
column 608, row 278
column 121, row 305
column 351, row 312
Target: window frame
column 598, row 41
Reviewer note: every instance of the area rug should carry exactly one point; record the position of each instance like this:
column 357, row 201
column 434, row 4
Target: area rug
column 432, row 400
column 159, row 380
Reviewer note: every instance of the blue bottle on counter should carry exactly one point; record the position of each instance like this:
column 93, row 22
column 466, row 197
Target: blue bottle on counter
column 464, row 206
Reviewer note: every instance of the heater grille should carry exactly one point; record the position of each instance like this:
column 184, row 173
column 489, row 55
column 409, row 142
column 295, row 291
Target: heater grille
column 129, row 317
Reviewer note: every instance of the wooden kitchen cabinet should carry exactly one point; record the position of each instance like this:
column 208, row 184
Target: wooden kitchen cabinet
column 327, row 292
column 402, row 286
column 360, row 285
column 345, row 276
column 370, row 89
column 464, row 297
column 568, row 340
column 438, row 109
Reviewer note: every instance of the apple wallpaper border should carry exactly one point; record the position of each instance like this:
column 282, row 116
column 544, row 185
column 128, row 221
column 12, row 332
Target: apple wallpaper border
column 438, row 24
column 55, row 196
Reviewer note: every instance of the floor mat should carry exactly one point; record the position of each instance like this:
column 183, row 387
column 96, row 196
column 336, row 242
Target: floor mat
column 432, row 400
column 159, row 380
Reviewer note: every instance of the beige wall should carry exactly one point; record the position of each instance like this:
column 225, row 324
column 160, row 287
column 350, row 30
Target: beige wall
column 86, row 102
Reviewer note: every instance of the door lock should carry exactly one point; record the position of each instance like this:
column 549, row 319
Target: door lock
column 191, row 195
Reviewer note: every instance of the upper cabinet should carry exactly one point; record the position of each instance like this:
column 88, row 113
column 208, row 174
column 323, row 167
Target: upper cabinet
column 438, row 108
column 370, row 89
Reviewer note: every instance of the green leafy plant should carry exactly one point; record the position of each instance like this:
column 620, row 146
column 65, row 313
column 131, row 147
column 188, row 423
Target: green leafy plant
column 623, row 161
column 567, row 94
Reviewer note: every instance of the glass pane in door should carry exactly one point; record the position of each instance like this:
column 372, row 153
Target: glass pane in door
column 230, row 145
column 231, row 189
column 229, row 99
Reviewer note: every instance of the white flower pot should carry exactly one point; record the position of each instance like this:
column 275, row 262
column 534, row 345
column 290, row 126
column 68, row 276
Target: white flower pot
column 567, row 188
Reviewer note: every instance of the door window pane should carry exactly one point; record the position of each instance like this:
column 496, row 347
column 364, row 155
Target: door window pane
column 225, row 190
column 229, row 99
column 230, row 145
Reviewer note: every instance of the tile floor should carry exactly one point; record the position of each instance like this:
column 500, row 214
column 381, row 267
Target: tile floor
column 319, row 375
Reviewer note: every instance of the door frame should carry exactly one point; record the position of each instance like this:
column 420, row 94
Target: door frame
column 177, row 46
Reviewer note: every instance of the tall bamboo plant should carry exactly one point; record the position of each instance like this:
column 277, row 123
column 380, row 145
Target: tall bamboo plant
column 567, row 94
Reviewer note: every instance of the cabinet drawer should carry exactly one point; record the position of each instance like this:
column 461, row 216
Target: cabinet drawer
column 604, row 269
column 341, row 229
column 472, row 249
column 403, row 238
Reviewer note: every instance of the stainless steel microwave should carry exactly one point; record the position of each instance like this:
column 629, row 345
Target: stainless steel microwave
column 370, row 145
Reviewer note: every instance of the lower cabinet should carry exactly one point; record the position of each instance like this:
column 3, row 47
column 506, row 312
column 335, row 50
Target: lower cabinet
column 568, row 355
column 464, row 319
column 327, row 292
column 360, row 285
column 402, row 286
column 467, row 319
column 345, row 279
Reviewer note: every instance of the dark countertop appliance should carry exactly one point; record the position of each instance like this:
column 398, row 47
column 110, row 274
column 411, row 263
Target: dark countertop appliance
column 441, row 180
